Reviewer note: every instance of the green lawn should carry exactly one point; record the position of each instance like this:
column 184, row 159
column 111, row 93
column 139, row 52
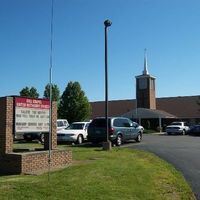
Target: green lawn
column 117, row 174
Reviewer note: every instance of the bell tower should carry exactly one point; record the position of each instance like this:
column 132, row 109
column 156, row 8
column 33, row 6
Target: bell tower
column 145, row 88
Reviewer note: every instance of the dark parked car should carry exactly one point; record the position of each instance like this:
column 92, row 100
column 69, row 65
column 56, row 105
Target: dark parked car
column 195, row 130
column 120, row 129
column 34, row 136
column 61, row 124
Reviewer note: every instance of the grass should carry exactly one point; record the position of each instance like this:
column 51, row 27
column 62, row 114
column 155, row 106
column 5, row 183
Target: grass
column 23, row 146
column 117, row 174
column 149, row 131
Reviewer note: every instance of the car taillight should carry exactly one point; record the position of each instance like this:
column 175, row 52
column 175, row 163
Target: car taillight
column 111, row 131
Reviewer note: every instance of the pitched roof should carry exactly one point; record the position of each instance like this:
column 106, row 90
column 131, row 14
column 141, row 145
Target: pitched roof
column 182, row 107
column 144, row 113
column 115, row 108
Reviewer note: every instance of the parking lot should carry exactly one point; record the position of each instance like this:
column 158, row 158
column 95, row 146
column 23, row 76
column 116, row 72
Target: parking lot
column 181, row 151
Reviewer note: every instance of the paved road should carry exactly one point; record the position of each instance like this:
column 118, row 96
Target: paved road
column 181, row 151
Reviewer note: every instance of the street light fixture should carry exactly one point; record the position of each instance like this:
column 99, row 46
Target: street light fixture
column 107, row 144
column 107, row 23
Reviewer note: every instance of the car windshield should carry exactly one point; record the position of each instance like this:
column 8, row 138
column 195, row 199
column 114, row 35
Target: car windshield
column 176, row 123
column 59, row 124
column 101, row 122
column 76, row 126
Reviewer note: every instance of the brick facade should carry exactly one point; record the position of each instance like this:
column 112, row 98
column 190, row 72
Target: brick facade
column 6, row 125
column 145, row 92
column 54, row 127
column 33, row 162
column 29, row 162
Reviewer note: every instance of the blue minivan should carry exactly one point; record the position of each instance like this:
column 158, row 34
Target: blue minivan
column 121, row 129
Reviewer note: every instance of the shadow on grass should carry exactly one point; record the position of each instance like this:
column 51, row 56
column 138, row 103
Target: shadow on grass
column 4, row 173
column 86, row 145
column 98, row 145
column 26, row 142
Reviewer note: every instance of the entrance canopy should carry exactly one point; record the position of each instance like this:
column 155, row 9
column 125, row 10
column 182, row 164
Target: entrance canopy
column 144, row 113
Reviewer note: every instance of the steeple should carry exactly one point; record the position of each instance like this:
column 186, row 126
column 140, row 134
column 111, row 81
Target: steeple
column 145, row 88
column 145, row 71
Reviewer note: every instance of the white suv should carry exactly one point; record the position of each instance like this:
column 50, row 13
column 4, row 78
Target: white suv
column 62, row 124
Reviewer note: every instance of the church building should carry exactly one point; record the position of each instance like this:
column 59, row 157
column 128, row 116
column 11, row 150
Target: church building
column 149, row 111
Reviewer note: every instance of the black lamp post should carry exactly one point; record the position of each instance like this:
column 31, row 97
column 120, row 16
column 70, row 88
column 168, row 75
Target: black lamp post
column 107, row 145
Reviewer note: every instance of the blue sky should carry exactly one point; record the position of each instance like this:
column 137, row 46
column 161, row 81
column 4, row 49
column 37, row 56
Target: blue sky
column 169, row 29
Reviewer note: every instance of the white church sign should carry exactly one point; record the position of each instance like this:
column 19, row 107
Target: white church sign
column 31, row 115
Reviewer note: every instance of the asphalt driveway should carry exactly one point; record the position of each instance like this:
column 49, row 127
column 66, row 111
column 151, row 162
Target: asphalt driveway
column 181, row 151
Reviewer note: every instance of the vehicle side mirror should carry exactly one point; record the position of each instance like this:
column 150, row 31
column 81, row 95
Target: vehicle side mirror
column 131, row 125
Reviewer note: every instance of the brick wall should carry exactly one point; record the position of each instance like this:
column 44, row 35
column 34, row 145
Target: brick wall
column 53, row 131
column 33, row 162
column 146, row 96
column 17, row 163
column 38, row 161
column 6, row 125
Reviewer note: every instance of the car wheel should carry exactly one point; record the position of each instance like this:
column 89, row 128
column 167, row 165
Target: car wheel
column 42, row 138
column 183, row 133
column 119, row 140
column 139, row 138
column 80, row 139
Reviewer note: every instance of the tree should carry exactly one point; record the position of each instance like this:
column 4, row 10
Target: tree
column 34, row 93
column 55, row 92
column 74, row 105
column 26, row 92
